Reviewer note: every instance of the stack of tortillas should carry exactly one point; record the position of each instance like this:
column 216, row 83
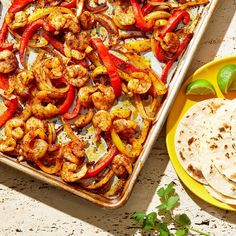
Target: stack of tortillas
column 205, row 144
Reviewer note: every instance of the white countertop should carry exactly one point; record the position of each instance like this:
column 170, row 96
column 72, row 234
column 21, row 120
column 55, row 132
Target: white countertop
column 29, row 207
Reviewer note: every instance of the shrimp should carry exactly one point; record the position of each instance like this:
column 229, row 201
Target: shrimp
column 72, row 24
column 140, row 84
column 7, row 145
column 57, row 20
column 120, row 113
column 22, row 83
column 104, row 98
column 102, row 120
column 53, row 68
column 122, row 166
column 124, row 16
column 126, row 128
column 15, row 128
column 26, row 113
column 76, row 75
column 34, row 145
column 33, row 124
column 84, row 119
column 8, row 61
column 70, row 173
column 74, row 152
column 87, row 20
column 84, row 95
column 17, row 20
column 170, row 42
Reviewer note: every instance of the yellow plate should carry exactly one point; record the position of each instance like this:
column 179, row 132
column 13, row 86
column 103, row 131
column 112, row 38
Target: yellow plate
column 181, row 105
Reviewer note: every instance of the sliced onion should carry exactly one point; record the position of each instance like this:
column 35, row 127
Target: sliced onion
column 97, row 9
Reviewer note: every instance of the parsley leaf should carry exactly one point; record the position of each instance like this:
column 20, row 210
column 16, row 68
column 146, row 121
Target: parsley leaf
column 139, row 216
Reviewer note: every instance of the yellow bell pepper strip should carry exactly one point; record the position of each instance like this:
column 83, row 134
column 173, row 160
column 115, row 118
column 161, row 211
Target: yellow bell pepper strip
column 43, row 12
column 18, row 5
column 100, row 70
column 157, row 15
column 181, row 49
column 109, row 64
column 147, row 8
column 52, row 169
column 102, row 164
column 28, row 32
column 137, row 45
column 139, row 18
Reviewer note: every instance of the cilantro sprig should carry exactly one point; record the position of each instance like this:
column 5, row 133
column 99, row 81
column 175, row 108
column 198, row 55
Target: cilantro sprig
column 162, row 220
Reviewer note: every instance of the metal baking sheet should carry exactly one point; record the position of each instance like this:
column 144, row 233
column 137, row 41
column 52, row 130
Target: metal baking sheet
column 176, row 77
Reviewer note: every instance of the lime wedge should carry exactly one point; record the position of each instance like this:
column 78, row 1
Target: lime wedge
column 226, row 78
column 200, row 87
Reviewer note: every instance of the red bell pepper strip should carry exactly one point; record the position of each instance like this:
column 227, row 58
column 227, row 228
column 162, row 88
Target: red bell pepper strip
column 3, row 36
column 160, row 53
column 4, row 84
column 70, row 4
column 74, row 113
column 124, row 66
column 174, row 20
column 180, row 50
column 18, row 5
column 109, row 64
column 68, row 101
column 103, row 163
column 147, row 8
column 139, row 19
column 11, row 108
column 28, row 33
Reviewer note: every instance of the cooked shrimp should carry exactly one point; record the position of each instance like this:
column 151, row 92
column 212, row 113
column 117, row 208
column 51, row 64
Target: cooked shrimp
column 17, row 20
column 71, row 172
column 34, row 145
column 170, row 42
column 124, row 16
column 76, row 75
column 44, row 112
column 126, row 128
column 84, row 95
column 140, row 84
column 15, row 128
column 122, row 166
column 8, row 61
column 33, row 124
column 104, row 98
column 84, row 119
column 7, row 145
column 87, row 20
column 22, row 83
column 120, row 113
column 102, row 120
column 57, row 20
column 72, row 24
column 53, row 68
column 74, row 152
column 26, row 113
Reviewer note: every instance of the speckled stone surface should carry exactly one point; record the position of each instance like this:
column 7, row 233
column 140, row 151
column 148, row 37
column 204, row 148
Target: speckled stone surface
column 29, row 207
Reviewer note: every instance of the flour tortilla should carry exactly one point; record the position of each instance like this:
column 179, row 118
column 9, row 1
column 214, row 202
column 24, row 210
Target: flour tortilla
column 189, row 133
column 219, row 196
column 224, row 138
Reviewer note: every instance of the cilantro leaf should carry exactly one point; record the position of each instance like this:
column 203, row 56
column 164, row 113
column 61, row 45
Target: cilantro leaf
column 164, row 192
column 161, row 192
column 183, row 220
column 171, row 202
column 164, row 231
column 139, row 216
column 150, row 221
column 169, row 188
column 181, row 232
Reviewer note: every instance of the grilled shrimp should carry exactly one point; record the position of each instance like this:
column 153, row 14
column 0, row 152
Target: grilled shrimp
column 18, row 20
column 71, row 172
column 7, row 145
column 102, row 120
column 87, row 20
column 124, row 17
column 57, row 20
column 104, row 98
column 122, row 166
column 53, row 68
column 120, row 113
column 26, row 113
column 15, row 128
column 170, row 42
column 8, row 61
column 34, row 145
column 126, row 128
column 84, row 119
column 140, row 84
column 84, row 95
column 33, row 124
column 76, row 75
column 23, row 82
column 74, row 152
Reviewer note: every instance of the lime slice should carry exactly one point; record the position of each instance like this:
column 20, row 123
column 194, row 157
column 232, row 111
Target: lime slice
column 200, row 87
column 226, row 78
